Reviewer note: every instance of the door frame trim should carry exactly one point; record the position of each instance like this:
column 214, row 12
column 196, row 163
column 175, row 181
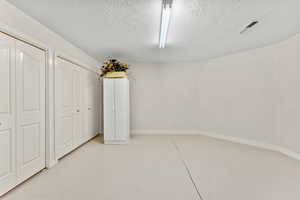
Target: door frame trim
column 63, row 56
column 22, row 37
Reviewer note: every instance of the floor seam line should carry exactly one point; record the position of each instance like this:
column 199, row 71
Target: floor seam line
column 187, row 170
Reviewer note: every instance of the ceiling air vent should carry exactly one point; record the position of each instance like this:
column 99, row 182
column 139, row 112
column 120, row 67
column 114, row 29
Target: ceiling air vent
column 253, row 23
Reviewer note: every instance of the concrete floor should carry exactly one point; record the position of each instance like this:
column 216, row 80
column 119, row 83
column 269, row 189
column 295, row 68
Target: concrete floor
column 166, row 168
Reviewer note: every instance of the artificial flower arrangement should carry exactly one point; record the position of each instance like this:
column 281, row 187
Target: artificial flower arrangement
column 113, row 68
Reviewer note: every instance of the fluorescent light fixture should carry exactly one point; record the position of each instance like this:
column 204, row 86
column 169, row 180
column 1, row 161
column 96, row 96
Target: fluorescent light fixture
column 165, row 21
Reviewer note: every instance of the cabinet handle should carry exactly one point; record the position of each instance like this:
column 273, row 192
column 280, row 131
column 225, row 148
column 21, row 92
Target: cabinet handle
column 78, row 110
column 89, row 109
column 0, row 123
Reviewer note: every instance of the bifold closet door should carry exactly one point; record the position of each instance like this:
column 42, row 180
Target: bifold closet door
column 22, row 112
column 78, row 102
column 91, row 104
column 30, row 71
column 65, row 107
column 7, row 114
column 76, row 106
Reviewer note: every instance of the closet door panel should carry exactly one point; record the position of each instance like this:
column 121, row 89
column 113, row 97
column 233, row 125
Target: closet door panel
column 78, row 105
column 31, row 109
column 91, row 108
column 91, row 104
column 7, row 114
column 74, row 106
column 122, row 108
column 67, row 132
column 6, row 51
column 96, row 103
column 87, row 106
column 64, row 101
column 6, row 158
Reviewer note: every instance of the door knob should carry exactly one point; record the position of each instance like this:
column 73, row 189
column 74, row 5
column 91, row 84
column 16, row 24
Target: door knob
column 78, row 110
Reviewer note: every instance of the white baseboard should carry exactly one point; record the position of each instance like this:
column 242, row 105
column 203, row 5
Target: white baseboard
column 165, row 132
column 52, row 164
column 262, row 145
column 114, row 142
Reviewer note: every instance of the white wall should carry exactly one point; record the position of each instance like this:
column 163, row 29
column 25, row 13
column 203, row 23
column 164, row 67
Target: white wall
column 289, row 96
column 22, row 23
column 253, row 95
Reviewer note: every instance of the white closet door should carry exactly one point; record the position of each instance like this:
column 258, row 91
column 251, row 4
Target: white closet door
column 7, row 114
column 91, row 104
column 109, row 109
column 64, row 107
column 88, row 122
column 96, row 103
column 122, row 109
column 78, row 105
column 30, row 67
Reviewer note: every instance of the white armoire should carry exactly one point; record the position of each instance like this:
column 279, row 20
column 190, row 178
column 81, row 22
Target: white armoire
column 116, row 110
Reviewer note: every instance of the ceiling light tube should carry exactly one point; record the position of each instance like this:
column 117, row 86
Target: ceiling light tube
column 165, row 21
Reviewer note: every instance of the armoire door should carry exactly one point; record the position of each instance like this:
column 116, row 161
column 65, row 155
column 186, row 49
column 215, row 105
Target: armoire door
column 7, row 114
column 30, row 84
column 64, row 107
column 109, row 109
column 121, row 93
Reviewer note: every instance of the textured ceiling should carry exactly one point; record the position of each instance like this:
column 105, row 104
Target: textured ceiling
column 199, row 29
